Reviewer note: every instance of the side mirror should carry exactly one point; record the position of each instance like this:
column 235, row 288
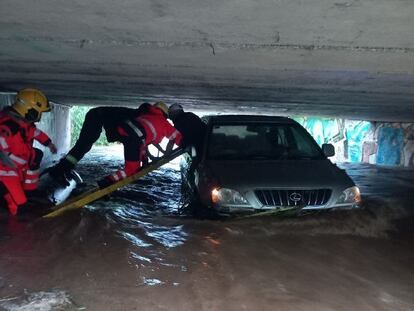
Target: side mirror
column 328, row 150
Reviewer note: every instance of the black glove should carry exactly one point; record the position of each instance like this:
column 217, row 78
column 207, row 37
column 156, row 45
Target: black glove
column 58, row 175
column 61, row 171
column 105, row 182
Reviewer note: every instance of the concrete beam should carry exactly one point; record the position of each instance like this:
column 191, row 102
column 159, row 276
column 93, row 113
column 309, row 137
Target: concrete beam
column 353, row 59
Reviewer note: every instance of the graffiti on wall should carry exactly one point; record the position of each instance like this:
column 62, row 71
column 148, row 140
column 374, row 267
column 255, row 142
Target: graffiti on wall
column 348, row 137
column 356, row 133
column 390, row 145
column 395, row 140
column 363, row 141
column 323, row 130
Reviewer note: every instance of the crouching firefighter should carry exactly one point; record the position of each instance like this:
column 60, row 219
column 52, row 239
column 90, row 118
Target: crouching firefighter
column 19, row 160
column 134, row 128
column 136, row 134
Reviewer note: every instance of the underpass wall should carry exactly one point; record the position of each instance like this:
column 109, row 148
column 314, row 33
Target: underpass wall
column 56, row 124
column 363, row 141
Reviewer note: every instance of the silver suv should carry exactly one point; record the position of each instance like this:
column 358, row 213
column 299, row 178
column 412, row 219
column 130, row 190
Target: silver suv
column 259, row 163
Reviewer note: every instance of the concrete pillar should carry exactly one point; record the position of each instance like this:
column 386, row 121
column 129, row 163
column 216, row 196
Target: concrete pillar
column 56, row 124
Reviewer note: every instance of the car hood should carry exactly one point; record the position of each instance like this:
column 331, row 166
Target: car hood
column 283, row 174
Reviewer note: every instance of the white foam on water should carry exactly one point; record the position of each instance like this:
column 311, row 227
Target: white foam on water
column 375, row 220
column 39, row 301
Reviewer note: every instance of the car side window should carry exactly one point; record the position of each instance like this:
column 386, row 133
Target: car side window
column 302, row 143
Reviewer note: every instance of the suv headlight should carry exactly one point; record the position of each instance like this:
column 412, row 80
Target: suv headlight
column 225, row 196
column 350, row 195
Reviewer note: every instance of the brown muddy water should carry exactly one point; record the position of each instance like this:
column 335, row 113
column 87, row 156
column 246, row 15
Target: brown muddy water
column 136, row 252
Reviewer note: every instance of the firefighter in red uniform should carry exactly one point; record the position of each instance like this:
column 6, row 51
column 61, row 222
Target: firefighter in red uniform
column 141, row 128
column 149, row 128
column 19, row 160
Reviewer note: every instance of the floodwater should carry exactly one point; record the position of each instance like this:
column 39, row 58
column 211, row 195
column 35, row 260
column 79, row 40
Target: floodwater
column 136, row 252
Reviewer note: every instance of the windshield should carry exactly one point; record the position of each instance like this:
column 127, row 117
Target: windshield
column 267, row 141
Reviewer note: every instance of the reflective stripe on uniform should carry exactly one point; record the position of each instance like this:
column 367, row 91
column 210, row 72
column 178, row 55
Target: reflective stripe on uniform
column 8, row 173
column 3, row 143
column 32, row 173
column 173, row 135
column 151, row 127
column 32, row 177
column 135, row 128
column 119, row 175
column 17, row 159
column 115, row 176
column 31, row 181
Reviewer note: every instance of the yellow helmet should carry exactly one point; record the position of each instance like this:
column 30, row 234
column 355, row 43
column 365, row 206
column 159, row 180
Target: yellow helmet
column 30, row 103
column 162, row 106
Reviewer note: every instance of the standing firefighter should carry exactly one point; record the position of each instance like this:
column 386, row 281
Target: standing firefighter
column 134, row 128
column 19, row 160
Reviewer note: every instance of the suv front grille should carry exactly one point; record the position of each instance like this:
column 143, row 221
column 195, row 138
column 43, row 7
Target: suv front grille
column 316, row 197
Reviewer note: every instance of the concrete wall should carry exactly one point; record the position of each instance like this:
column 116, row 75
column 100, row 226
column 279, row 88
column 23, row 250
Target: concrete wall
column 362, row 141
column 56, row 124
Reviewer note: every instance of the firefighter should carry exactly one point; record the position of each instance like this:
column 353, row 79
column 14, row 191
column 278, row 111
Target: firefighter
column 19, row 160
column 189, row 125
column 134, row 128
column 192, row 130
column 150, row 127
column 107, row 118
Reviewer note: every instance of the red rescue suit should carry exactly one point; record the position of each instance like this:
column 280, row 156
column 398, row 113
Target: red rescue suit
column 148, row 128
column 19, row 161
column 13, row 162
column 32, row 174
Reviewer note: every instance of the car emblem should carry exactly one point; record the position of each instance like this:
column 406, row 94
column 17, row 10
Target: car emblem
column 295, row 197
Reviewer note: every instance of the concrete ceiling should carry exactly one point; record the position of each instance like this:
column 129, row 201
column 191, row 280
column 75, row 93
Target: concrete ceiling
column 348, row 58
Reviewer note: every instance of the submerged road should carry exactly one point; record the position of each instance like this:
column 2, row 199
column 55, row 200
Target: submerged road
column 134, row 252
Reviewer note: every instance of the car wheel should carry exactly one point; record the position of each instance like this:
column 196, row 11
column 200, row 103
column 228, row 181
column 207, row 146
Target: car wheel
column 195, row 207
column 191, row 202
